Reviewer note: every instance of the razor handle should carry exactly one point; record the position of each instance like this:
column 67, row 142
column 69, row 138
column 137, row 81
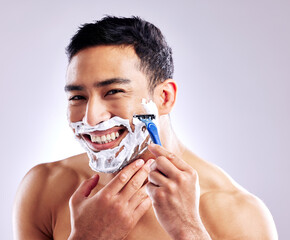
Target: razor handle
column 153, row 132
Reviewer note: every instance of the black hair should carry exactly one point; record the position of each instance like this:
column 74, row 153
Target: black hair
column 147, row 40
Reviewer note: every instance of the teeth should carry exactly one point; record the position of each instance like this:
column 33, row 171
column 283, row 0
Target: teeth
column 108, row 137
column 95, row 138
column 113, row 136
column 105, row 138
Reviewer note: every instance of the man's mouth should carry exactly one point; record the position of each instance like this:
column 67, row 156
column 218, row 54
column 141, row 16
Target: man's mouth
column 105, row 138
column 101, row 140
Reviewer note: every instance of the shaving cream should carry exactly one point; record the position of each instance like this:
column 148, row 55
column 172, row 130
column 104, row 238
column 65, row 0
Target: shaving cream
column 131, row 146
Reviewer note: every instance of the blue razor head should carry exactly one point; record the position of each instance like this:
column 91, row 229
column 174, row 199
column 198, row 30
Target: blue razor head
column 151, row 127
column 145, row 116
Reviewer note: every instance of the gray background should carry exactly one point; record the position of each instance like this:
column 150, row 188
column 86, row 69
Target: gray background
column 232, row 61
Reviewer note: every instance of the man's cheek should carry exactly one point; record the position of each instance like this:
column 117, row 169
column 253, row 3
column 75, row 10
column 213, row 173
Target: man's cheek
column 75, row 115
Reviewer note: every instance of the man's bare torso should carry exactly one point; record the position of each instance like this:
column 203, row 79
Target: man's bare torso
column 147, row 228
column 54, row 183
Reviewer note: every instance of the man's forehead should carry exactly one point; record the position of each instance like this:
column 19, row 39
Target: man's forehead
column 104, row 65
column 104, row 62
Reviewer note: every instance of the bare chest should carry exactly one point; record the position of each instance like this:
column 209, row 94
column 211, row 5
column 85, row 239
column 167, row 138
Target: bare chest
column 147, row 227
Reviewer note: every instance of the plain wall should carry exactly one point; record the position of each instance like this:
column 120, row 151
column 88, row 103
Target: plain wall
column 232, row 66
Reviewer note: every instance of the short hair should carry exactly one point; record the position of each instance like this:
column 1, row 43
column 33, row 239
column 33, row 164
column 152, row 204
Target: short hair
column 147, row 40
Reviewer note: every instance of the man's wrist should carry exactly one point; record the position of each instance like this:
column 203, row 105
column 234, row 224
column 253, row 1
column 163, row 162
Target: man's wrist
column 193, row 233
column 196, row 235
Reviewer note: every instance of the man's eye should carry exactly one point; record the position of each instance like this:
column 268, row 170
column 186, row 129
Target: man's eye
column 114, row 91
column 75, row 98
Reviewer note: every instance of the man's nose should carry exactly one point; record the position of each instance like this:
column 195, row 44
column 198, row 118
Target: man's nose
column 96, row 112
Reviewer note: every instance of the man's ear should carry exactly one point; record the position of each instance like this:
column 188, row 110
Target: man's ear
column 165, row 96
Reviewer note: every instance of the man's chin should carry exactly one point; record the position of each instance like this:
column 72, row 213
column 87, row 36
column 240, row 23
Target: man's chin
column 111, row 156
column 107, row 163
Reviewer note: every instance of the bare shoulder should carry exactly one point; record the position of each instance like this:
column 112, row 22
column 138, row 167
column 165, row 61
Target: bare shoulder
column 236, row 214
column 52, row 180
column 227, row 210
column 43, row 189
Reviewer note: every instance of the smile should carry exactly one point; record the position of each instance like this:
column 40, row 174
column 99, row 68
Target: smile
column 105, row 138
column 101, row 140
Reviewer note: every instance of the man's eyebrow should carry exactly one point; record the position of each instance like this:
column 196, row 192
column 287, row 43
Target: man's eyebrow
column 112, row 81
column 73, row 87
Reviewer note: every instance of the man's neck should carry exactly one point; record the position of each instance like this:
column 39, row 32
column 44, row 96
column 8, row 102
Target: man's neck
column 168, row 137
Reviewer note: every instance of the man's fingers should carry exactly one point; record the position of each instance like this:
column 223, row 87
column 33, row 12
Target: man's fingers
column 151, row 190
column 121, row 179
column 165, row 166
column 136, row 181
column 138, row 197
column 158, row 151
column 85, row 188
column 92, row 183
column 157, row 178
column 142, row 208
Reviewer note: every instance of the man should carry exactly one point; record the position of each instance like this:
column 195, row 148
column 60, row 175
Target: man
column 117, row 68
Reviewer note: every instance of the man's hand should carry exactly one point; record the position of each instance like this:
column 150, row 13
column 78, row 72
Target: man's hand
column 114, row 211
column 174, row 190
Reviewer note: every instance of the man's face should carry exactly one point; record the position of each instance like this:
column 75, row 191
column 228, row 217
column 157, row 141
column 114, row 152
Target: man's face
column 103, row 82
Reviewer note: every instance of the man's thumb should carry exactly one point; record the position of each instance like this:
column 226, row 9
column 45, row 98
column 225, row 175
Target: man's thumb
column 85, row 188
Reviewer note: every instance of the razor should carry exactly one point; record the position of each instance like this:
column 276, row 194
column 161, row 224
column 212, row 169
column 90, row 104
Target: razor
column 147, row 119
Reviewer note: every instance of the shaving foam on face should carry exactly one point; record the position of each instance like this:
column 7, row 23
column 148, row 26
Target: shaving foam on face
column 150, row 107
column 131, row 146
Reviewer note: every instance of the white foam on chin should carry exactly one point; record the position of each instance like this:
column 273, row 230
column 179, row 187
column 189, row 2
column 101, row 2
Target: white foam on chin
column 131, row 146
column 108, row 160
